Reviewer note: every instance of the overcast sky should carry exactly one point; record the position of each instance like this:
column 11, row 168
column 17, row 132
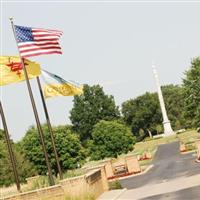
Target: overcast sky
column 108, row 43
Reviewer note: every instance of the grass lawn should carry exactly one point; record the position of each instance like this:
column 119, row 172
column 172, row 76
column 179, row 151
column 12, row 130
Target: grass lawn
column 74, row 173
column 189, row 137
column 186, row 137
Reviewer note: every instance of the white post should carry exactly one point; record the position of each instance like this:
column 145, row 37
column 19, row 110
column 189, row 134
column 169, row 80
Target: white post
column 166, row 123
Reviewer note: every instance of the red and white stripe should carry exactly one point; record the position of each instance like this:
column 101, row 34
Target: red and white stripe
column 45, row 42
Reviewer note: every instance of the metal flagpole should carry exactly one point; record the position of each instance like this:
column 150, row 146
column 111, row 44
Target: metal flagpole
column 50, row 129
column 41, row 134
column 10, row 150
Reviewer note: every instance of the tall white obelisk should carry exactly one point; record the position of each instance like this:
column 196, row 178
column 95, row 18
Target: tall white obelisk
column 166, row 123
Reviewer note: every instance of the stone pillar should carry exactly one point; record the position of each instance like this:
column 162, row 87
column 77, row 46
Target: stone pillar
column 104, row 179
column 166, row 123
column 109, row 169
column 133, row 165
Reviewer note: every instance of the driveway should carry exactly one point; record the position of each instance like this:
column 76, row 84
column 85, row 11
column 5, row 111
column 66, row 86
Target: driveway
column 168, row 164
column 174, row 176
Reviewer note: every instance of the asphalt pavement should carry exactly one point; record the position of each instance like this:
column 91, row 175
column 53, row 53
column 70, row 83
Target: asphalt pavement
column 174, row 176
column 192, row 193
column 168, row 164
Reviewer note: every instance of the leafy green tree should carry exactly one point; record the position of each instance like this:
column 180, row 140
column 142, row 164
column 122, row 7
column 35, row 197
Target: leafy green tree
column 110, row 139
column 24, row 167
column 191, row 84
column 91, row 107
column 159, row 129
column 144, row 111
column 2, row 137
column 174, row 101
column 67, row 143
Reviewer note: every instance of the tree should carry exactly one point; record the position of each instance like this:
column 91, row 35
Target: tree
column 174, row 102
column 144, row 112
column 24, row 167
column 191, row 84
column 110, row 139
column 91, row 107
column 67, row 143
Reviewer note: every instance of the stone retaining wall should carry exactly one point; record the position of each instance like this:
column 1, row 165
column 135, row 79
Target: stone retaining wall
column 92, row 183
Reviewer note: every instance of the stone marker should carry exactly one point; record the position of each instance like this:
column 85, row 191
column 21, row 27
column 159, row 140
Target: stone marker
column 182, row 148
column 146, row 155
column 139, row 157
column 119, row 166
column 132, row 164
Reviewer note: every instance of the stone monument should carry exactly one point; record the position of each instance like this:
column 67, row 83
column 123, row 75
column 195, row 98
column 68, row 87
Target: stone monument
column 166, row 123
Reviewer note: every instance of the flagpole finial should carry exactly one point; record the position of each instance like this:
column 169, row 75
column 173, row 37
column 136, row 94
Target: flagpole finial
column 11, row 18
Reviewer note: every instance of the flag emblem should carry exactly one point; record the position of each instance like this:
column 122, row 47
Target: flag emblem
column 37, row 41
column 57, row 86
column 12, row 71
column 15, row 66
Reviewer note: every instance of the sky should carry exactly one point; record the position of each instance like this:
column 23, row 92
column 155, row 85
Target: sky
column 111, row 43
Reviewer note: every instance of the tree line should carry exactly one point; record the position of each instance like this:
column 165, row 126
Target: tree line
column 101, row 129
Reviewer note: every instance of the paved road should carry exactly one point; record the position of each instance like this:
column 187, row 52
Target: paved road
column 192, row 193
column 173, row 177
column 168, row 164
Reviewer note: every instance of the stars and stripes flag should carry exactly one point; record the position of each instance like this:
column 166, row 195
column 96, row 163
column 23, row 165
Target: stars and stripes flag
column 37, row 41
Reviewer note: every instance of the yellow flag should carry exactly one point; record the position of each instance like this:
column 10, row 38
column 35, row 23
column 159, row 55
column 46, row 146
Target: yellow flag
column 11, row 70
column 52, row 90
column 57, row 86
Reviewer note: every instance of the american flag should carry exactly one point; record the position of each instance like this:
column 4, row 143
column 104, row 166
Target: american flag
column 37, row 41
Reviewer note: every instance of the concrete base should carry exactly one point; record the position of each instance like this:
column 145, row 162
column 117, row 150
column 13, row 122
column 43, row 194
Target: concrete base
column 167, row 128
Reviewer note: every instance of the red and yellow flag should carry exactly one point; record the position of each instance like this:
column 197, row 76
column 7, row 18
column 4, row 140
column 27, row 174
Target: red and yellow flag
column 11, row 70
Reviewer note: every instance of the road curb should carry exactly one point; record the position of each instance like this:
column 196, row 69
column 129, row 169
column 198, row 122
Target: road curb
column 124, row 190
column 112, row 194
